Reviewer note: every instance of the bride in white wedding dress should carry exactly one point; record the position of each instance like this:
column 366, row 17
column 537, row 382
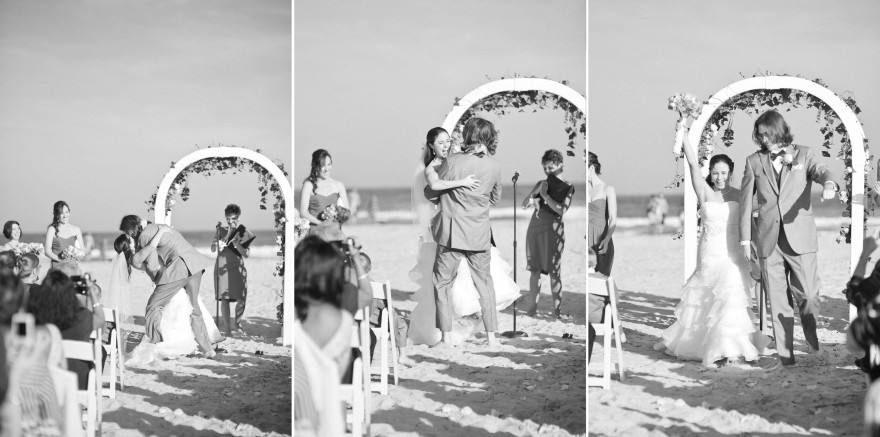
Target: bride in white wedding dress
column 715, row 323
column 465, row 299
column 177, row 335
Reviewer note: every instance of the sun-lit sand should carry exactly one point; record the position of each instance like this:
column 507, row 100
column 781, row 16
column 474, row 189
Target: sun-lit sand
column 240, row 393
column 663, row 396
column 530, row 385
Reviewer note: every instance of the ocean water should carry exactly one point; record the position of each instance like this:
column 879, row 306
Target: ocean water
column 635, row 206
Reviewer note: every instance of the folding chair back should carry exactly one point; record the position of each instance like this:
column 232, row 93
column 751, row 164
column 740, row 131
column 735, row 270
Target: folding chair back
column 610, row 327
column 88, row 398
column 385, row 338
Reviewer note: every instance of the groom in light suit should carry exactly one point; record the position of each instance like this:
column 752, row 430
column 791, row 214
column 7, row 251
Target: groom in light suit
column 778, row 177
column 461, row 228
column 182, row 266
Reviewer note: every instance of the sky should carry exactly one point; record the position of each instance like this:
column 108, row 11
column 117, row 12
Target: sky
column 372, row 78
column 642, row 52
column 98, row 98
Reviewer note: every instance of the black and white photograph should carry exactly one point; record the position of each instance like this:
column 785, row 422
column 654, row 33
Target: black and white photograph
column 732, row 227
column 439, row 159
column 116, row 319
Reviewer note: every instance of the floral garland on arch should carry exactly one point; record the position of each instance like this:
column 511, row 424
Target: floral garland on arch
column 754, row 103
column 266, row 185
column 518, row 101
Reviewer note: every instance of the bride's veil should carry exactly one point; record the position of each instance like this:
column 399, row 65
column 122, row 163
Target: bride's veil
column 116, row 297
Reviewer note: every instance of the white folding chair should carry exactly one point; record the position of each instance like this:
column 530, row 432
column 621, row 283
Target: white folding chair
column 610, row 327
column 357, row 394
column 88, row 398
column 384, row 338
column 114, row 356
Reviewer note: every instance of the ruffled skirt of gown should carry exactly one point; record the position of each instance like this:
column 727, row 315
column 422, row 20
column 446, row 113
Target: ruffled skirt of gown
column 177, row 334
column 715, row 318
column 465, row 299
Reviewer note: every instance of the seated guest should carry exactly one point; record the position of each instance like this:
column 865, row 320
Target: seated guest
column 7, row 261
column 376, row 308
column 29, row 270
column 322, row 335
column 358, row 290
column 69, row 307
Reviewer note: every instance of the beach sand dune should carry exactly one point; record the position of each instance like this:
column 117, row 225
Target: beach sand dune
column 665, row 396
column 240, row 393
column 529, row 385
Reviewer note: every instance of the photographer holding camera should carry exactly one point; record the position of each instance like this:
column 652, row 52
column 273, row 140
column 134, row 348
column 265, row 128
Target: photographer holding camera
column 862, row 292
column 73, row 304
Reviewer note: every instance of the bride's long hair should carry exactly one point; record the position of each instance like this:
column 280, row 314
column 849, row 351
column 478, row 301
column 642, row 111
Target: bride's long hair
column 428, row 154
column 123, row 246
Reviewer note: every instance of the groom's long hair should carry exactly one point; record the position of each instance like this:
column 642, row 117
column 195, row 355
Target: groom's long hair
column 776, row 127
column 131, row 226
column 479, row 131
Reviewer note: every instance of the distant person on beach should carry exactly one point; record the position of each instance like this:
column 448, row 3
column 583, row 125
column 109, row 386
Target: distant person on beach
column 602, row 216
column 232, row 244
column 714, row 319
column 323, row 200
column 61, row 235
column 463, row 293
column 545, row 237
column 779, row 177
column 354, row 198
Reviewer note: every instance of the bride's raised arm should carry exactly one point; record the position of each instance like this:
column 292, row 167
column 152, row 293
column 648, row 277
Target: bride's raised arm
column 437, row 184
column 700, row 185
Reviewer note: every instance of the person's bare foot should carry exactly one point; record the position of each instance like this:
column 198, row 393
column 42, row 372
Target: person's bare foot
column 209, row 354
column 491, row 341
column 443, row 344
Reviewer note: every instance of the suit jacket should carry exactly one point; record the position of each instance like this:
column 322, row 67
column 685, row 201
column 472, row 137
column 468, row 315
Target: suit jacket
column 463, row 220
column 179, row 258
column 785, row 204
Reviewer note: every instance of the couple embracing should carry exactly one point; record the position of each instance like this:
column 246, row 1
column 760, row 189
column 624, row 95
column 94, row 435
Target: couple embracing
column 715, row 322
column 175, row 316
column 462, row 272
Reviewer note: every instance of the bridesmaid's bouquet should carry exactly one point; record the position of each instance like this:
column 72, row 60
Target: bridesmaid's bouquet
column 335, row 213
column 72, row 253
column 687, row 105
column 24, row 248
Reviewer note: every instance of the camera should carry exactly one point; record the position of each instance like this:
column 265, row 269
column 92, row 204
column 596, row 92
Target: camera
column 23, row 325
column 856, row 296
column 82, row 283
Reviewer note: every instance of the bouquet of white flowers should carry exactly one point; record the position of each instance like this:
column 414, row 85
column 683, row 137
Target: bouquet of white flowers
column 335, row 213
column 687, row 105
column 301, row 228
column 23, row 248
column 72, row 253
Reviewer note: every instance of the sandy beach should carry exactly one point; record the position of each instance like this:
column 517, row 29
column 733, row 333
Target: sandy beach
column 663, row 396
column 531, row 386
column 240, row 393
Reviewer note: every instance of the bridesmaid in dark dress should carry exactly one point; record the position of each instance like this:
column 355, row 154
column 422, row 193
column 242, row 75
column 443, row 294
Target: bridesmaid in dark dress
column 320, row 191
column 603, row 217
column 602, row 222
column 230, row 274
column 61, row 234
column 545, row 237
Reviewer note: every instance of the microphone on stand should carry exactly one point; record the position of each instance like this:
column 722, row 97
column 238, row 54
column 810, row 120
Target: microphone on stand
column 514, row 333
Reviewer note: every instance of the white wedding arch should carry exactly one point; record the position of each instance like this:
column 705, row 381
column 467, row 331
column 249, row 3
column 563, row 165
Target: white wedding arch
column 515, row 84
column 853, row 128
column 163, row 215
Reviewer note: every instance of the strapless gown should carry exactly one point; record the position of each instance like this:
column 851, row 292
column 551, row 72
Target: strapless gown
column 715, row 318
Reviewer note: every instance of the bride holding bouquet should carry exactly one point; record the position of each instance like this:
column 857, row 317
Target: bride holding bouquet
column 715, row 323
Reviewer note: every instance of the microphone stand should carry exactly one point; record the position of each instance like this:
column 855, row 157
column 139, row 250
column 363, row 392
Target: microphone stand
column 514, row 333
